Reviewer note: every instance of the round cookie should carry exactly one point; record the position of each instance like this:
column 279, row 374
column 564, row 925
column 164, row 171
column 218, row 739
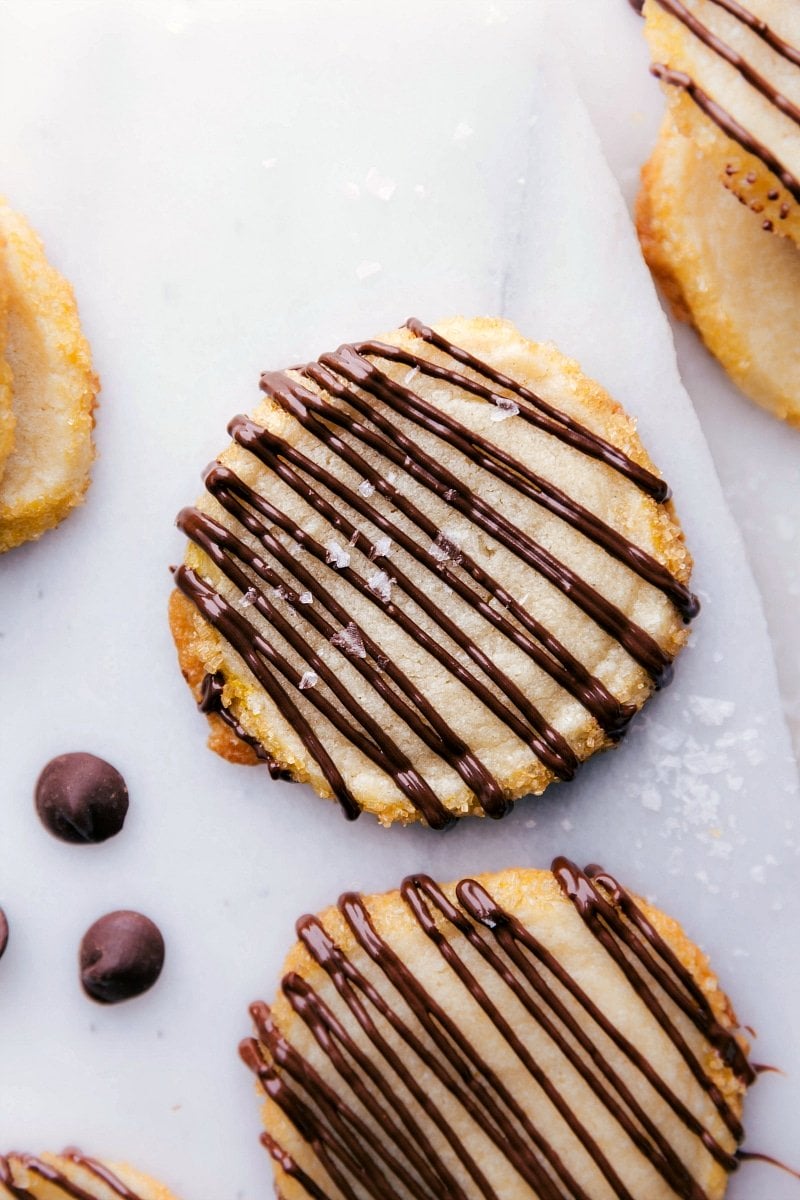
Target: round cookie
column 53, row 390
column 527, row 1033
column 732, row 75
column 721, row 272
column 430, row 575
column 74, row 1176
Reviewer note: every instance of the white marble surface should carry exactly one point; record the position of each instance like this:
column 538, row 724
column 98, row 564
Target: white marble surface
column 233, row 186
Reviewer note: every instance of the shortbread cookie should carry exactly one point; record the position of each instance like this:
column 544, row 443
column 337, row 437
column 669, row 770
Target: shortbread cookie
column 53, row 388
column 739, row 286
column 73, row 1176
column 6, row 398
column 517, row 1035
column 431, row 574
column 732, row 71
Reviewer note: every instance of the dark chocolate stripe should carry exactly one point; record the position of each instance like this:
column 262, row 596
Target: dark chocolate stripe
column 534, row 410
column 210, row 701
column 546, row 742
column 768, row 90
column 554, row 658
column 334, row 1130
column 437, row 734
column 761, row 28
column 366, row 412
column 728, row 125
column 534, row 487
column 67, row 1187
column 720, row 116
column 358, row 370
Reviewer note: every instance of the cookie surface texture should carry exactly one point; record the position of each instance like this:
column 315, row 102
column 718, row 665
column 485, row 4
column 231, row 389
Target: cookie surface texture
column 732, row 77
column 53, row 390
column 73, row 1176
column 737, row 284
column 432, row 573
column 517, row 1035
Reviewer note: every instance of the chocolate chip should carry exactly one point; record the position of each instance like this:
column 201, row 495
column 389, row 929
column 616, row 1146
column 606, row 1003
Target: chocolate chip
column 121, row 956
column 3, row 933
column 81, row 798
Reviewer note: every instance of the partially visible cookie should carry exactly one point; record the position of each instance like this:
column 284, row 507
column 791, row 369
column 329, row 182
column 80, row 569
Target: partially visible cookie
column 732, row 72
column 53, row 390
column 6, row 398
column 74, row 1176
column 431, row 574
column 738, row 285
column 518, row 1035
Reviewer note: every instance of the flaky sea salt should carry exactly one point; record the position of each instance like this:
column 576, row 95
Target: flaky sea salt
column 710, row 711
column 306, row 598
column 410, row 376
column 381, row 585
column 365, row 489
column 651, row 799
column 308, row 679
column 365, row 270
column 248, row 597
column 382, row 547
column 337, row 555
column 379, row 185
column 504, row 407
column 444, row 550
column 349, row 641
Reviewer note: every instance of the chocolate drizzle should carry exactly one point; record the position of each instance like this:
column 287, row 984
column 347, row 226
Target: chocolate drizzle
column 723, row 119
column 67, row 1187
column 362, row 411
column 210, row 701
column 407, row 1154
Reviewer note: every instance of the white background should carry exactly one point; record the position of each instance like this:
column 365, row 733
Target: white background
column 236, row 186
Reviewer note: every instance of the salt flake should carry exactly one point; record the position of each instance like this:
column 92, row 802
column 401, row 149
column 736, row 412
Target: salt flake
column 380, row 185
column 504, row 408
column 365, row 489
column 365, row 269
column 337, row 555
column 308, row 679
column 444, row 550
column 381, row 585
column 349, row 641
column 710, row 711
column 248, row 597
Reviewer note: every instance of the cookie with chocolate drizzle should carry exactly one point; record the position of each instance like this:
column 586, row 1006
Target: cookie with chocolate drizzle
column 432, row 573
column 731, row 69
column 517, row 1035
column 73, row 1176
column 695, row 237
